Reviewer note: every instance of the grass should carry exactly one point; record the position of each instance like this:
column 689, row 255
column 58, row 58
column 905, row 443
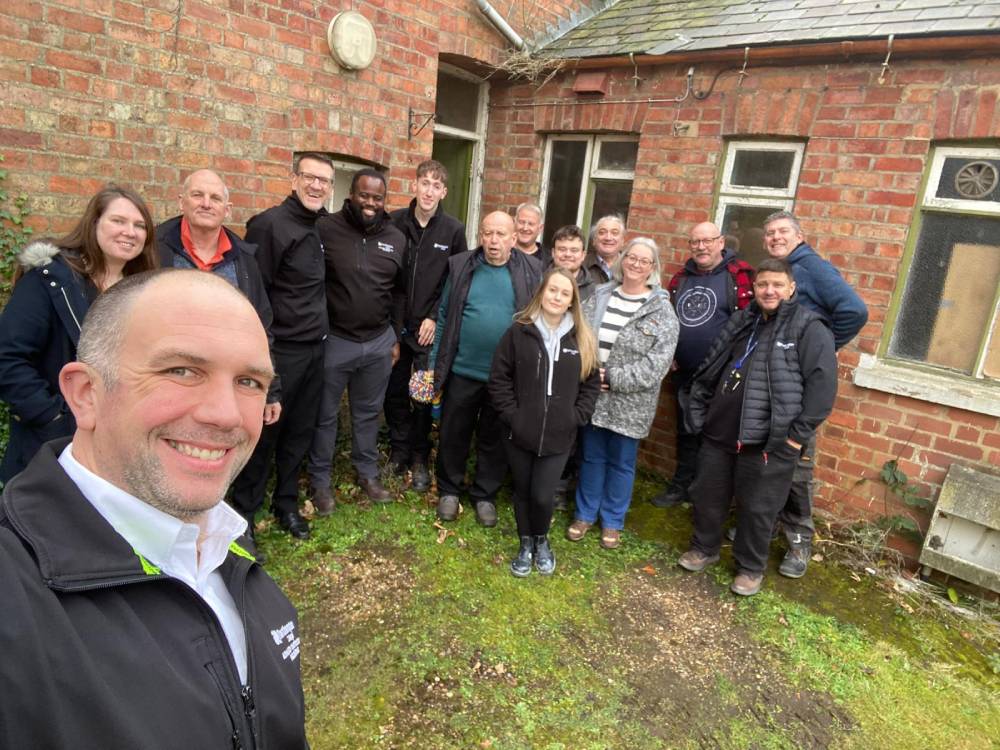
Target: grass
column 409, row 642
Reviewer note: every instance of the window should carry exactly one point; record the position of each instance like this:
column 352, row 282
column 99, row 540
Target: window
column 586, row 177
column 946, row 316
column 758, row 178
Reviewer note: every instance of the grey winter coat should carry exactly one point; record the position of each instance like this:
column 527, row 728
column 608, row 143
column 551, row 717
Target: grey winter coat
column 638, row 362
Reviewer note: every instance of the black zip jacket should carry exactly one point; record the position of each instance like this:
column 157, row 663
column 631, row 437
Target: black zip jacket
column 168, row 241
column 427, row 254
column 290, row 258
column 100, row 649
column 791, row 384
column 365, row 282
column 546, row 425
column 525, row 275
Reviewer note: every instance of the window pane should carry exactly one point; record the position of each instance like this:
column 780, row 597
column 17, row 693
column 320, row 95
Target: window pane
column 948, row 303
column 611, row 197
column 767, row 169
column 457, row 102
column 743, row 227
column 618, row 155
column 970, row 179
column 565, row 184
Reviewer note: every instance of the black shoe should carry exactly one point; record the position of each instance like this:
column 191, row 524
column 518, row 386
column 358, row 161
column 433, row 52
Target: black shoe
column 559, row 500
column 545, row 561
column 795, row 563
column 486, row 513
column 323, row 501
column 421, row 477
column 294, row 524
column 520, row 566
column 670, row 497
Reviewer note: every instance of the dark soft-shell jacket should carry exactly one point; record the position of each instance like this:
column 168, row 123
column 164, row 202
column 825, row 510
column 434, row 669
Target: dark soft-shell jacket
column 101, row 650
column 822, row 289
column 168, row 240
column 365, row 283
column 791, row 384
column 427, row 254
column 39, row 332
column 544, row 424
column 525, row 274
column 290, row 259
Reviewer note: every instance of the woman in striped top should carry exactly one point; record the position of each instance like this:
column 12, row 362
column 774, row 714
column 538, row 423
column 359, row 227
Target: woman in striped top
column 637, row 333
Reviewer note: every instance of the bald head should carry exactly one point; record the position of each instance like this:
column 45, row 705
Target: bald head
column 496, row 233
column 204, row 201
column 707, row 245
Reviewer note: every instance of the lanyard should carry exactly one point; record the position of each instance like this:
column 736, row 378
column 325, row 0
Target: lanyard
column 751, row 345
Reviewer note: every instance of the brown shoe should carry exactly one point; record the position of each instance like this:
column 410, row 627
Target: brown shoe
column 375, row 490
column 747, row 584
column 577, row 530
column 696, row 561
column 323, row 501
column 611, row 538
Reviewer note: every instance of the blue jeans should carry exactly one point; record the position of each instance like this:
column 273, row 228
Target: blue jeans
column 607, row 472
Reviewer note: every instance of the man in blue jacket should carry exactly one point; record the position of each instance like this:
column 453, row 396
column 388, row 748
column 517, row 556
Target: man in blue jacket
column 822, row 289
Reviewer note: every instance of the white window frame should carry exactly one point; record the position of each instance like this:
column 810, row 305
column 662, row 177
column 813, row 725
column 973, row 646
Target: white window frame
column 927, row 382
column 591, row 171
column 478, row 137
column 780, row 199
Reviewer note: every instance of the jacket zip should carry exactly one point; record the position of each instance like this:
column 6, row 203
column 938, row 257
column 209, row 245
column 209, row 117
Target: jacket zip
column 545, row 398
column 230, row 709
column 413, row 276
column 70, row 307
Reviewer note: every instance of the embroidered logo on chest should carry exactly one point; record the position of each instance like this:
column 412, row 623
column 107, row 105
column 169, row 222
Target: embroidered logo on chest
column 783, row 345
column 385, row 247
column 285, row 636
column 439, row 246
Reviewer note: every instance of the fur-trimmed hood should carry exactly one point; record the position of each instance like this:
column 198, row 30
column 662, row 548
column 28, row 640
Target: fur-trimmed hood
column 37, row 254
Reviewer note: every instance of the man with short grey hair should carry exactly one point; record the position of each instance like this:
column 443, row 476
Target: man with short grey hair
column 132, row 607
column 529, row 221
column 607, row 238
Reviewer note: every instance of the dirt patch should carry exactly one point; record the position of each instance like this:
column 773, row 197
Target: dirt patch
column 694, row 671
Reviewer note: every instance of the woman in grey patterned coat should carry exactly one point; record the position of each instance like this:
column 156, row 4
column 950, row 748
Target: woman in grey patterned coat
column 637, row 332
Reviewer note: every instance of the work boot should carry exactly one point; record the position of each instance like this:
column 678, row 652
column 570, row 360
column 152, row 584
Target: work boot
column 375, row 490
column 486, row 513
column 421, row 477
column 670, row 497
column 323, row 501
column 746, row 584
column 520, row 566
column 795, row 563
column 696, row 560
column 545, row 560
column 447, row 509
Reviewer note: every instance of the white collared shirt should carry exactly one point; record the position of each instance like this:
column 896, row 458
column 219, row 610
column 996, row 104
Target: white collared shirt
column 172, row 545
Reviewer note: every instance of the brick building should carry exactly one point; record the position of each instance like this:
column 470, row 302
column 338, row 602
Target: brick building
column 879, row 126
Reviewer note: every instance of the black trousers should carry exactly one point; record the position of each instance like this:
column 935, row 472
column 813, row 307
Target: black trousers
column 409, row 422
column 760, row 483
column 535, row 478
column 796, row 516
column 301, row 369
column 466, row 409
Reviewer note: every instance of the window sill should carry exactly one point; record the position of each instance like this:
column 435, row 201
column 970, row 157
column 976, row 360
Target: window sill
column 882, row 375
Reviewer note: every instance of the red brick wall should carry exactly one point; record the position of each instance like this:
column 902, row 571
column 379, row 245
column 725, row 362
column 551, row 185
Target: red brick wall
column 93, row 91
column 866, row 152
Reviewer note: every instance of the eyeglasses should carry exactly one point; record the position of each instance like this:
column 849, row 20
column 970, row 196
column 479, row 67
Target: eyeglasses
column 311, row 178
column 704, row 242
column 635, row 260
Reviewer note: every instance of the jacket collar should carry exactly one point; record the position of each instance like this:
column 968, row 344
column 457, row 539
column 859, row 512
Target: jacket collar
column 168, row 234
column 353, row 217
column 300, row 212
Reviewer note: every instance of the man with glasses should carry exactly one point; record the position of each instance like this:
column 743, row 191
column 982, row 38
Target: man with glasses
column 713, row 284
column 290, row 257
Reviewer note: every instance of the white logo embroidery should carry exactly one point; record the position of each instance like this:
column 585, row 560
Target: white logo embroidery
column 783, row 345
column 286, row 633
column 439, row 246
column 570, row 351
column 385, row 247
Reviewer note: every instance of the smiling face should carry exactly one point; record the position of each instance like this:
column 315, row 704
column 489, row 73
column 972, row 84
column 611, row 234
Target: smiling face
column 527, row 227
column 557, row 297
column 770, row 289
column 568, row 254
column 429, row 191
column 368, row 197
column 706, row 245
column 610, row 238
column 497, row 237
column 313, row 183
column 121, row 232
column 637, row 264
column 781, row 237
column 205, row 201
column 186, row 409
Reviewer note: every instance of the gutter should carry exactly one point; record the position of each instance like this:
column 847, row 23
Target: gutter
column 501, row 25
column 965, row 46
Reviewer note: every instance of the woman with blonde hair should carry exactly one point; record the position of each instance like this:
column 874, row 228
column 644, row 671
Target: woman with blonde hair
column 54, row 286
column 543, row 384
